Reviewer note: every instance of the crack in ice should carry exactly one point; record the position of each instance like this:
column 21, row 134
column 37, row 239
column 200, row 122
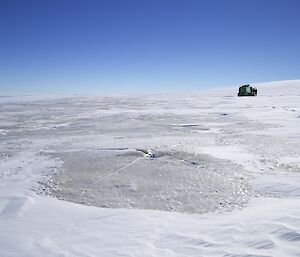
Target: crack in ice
column 119, row 170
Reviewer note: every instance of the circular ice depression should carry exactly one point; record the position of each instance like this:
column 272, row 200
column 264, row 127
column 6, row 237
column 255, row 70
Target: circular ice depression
column 143, row 179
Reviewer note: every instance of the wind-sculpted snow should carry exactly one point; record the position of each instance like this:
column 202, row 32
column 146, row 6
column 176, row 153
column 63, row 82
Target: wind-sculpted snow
column 232, row 162
column 267, row 227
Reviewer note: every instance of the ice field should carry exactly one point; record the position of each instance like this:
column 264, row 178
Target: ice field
column 205, row 174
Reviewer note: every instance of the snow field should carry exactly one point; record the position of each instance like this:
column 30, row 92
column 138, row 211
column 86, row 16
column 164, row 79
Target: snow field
column 46, row 142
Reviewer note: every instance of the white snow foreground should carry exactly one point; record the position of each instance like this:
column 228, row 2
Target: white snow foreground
column 35, row 225
column 49, row 227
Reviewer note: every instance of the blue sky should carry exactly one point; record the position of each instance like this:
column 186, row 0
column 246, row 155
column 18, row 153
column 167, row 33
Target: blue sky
column 146, row 45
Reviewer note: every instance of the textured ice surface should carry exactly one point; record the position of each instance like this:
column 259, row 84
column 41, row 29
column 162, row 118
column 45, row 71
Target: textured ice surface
column 163, row 180
column 103, row 144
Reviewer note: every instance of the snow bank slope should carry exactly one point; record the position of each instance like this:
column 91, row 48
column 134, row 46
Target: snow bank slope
column 268, row 227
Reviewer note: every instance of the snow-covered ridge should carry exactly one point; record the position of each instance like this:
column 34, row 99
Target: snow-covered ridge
column 260, row 135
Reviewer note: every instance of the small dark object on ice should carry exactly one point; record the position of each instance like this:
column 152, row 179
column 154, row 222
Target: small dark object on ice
column 148, row 153
column 247, row 90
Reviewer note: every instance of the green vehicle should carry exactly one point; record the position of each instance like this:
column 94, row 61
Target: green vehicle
column 247, row 90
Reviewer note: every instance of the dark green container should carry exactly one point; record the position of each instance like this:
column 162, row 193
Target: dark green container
column 247, row 90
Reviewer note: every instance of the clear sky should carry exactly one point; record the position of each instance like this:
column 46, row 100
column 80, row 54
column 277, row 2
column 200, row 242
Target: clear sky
column 146, row 45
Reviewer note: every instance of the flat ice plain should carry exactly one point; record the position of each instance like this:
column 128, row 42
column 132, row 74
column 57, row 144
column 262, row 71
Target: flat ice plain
column 207, row 174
